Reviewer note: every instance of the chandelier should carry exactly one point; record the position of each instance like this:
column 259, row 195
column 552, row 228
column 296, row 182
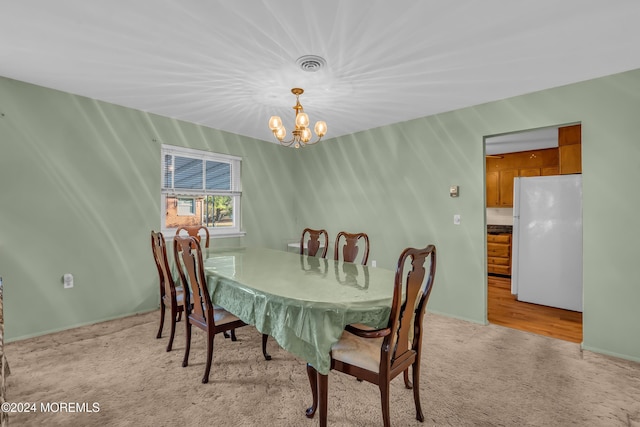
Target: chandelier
column 301, row 132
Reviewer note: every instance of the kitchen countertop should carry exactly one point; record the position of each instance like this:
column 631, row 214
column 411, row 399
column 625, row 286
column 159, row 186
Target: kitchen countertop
column 499, row 229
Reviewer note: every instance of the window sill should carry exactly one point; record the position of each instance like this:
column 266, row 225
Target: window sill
column 170, row 233
column 229, row 234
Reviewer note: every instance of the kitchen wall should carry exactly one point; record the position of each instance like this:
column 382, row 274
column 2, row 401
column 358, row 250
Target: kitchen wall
column 500, row 216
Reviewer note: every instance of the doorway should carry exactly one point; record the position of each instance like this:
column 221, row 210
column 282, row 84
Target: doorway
column 543, row 152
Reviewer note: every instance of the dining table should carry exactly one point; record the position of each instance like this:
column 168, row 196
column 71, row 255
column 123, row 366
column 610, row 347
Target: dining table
column 303, row 302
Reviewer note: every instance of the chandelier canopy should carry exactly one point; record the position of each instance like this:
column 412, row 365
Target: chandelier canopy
column 301, row 132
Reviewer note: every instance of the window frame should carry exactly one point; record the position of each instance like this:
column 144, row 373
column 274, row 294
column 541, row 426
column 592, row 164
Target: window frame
column 235, row 191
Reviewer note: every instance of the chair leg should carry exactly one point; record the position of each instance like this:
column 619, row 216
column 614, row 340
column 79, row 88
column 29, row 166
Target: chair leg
column 173, row 332
column 179, row 316
column 384, row 399
column 233, row 335
column 313, row 382
column 187, row 346
column 266, row 355
column 162, row 309
column 416, row 390
column 323, row 401
column 407, row 383
column 210, row 336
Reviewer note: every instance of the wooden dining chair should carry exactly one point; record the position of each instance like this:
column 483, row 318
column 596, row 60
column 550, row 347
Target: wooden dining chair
column 316, row 241
column 201, row 312
column 171, row 296
column 378, row 356
column 350, row 247
column 194, row 231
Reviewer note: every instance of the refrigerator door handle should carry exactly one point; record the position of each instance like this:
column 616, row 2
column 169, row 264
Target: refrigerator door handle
column 514, row 236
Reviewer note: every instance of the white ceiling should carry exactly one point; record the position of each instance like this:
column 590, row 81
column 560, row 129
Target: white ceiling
column 230, row 64
column 522, row 141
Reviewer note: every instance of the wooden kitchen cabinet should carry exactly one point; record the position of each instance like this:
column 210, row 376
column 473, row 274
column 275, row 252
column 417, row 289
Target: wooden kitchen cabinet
column 501, row 170
column 530, row 172
column 493, row 191
column 499, row 254
column 506, row 187
column 551, row 170
column 570, row 149
column 500, row 188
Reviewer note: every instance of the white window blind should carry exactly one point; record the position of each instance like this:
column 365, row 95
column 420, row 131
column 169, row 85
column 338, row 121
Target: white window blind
column 194, row 172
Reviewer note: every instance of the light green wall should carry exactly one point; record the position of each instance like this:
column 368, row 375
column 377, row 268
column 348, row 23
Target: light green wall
column 80, row 188
column 82, row 183
column 393, row 183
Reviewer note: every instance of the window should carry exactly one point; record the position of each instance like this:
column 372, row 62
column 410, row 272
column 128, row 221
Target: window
column 186, row 207
column 200, row 188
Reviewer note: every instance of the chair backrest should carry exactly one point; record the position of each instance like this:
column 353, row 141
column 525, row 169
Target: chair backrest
column 407, row 312
column 194, row 231
column 350, row 247
column 188, row 255
column 159, row 248
column 318, row 241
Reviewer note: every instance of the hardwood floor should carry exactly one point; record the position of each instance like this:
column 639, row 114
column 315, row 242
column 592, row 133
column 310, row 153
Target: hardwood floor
column 503, row 309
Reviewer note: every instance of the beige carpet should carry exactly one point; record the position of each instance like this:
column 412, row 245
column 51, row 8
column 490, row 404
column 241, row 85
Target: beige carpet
column 473, row 375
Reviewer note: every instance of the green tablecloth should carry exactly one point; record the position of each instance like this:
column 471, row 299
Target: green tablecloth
column 303, row 302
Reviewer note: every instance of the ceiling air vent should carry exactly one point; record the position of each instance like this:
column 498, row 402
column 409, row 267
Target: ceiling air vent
column 311, row 63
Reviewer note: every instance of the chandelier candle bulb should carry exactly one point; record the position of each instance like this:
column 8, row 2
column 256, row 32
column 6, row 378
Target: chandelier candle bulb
column 280, row 133
column 306, row 135
column 320, row 128
column 302, row 120
column 275, row 122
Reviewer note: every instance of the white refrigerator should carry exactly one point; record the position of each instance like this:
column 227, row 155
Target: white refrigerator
column 547, row 241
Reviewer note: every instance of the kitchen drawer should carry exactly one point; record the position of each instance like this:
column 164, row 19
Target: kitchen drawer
column 499, row 238
column 498, row 261
column 499, row 253
column 499, row 269
column 498, row 250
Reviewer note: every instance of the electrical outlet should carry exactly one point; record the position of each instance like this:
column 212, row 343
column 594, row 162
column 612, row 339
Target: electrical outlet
column 67, row 279
column 373, row 263
column 456, row 219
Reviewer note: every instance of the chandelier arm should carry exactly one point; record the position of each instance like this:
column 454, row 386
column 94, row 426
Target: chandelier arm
column 287, row 143
column 314, row 142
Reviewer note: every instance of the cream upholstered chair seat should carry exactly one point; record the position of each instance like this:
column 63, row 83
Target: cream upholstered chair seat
column 357, row 351
column 222, row 316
